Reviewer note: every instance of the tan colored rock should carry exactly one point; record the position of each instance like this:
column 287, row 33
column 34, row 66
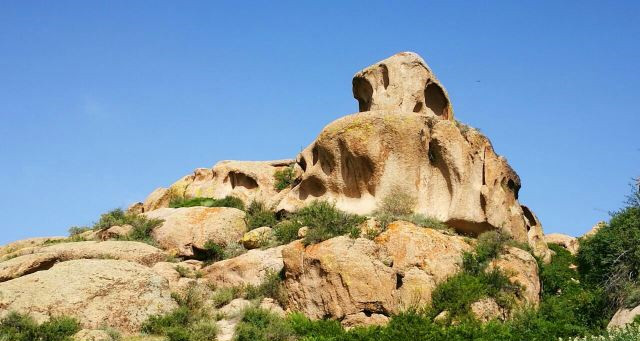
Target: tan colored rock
column 42, row 258
column 422, row 259
column 362, row 319
column 338, row 277
column 401, row 82
column 92, row 335
column 114, row 232
column 159, row 198
column 26, row 243
column 234, row 308
column 521, row 268
column 623, row 317
column 136, row 208
column 487, row 309
column 118, row 294
column 186, row 230
column 594, row 229
column 257, row 237
column 302, row 232
column 535, row 235
column 454, row 174
column 226, row 329
column 249, row 268
column 271, row 305
column 169, row 272
column 570, row 243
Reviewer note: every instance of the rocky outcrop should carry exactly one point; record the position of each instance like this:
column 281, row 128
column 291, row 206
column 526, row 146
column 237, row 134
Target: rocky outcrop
column 594, row 229
column 42, row 258
column 118, row 294
column 247, row 180
column 249, row 268
column 11, row 249
column 186, row 230
column 571, row 244
column 535, row 235
column 257, row 238
column 522, row 269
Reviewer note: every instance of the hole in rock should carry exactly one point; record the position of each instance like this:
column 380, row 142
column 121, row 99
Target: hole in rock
column 469, row 228
column 399, row 281
column 531, row 220
column 356, row 172
column 242, row 180
column 303, row 163
column 311, row 186
column 436, row 100
column 513, row 187
column 385, row 75
column 367, row 312
column 418, row 107
column 363, row 92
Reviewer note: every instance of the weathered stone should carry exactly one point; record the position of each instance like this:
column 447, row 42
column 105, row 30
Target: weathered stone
column 26, row 243
column 521, row 268
column 92, row 335
column 594, row 229
column 623, row 317
column 258, row 237
column 487, row 309
column 249, row 268
column 271, row 305
column 234, row 308
column 113, row 293
column 570, row 243
column 114, row 232
column 535, row 235
column 186, row 230
column 362, row 319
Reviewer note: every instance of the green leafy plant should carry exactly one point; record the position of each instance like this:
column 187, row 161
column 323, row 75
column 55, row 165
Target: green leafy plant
column 211, row 252
column 284, row 177
column 228, row 201
column 262, row 325
column 18, row 327
column 286, row 231
column 258, row 215
column 326, row 221
column 141, row 225
column 76, row 230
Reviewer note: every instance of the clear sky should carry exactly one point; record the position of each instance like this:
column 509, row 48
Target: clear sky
column 103, row 101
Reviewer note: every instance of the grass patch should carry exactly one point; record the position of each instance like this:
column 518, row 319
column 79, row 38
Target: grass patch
column 259, row 215
column 284, row 177
column 286, row 231
column 228, row 201
column 325, row 221
column 19, row 327
column 141, row 225
column 262, row 325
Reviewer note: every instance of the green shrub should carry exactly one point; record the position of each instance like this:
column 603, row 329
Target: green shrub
column 270, row 287
column 228, row 201
column 142, row 226
column 397, row 203
column 326, row 221
column 286, row 231
column 284, row 177
column 258, row 215
column 76, row 230
column 223, row 296
column 233, row 249
column 211, row 252
column 18, row 327
column 262, row 325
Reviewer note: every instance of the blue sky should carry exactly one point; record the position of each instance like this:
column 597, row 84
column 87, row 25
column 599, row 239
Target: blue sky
column 103, row 101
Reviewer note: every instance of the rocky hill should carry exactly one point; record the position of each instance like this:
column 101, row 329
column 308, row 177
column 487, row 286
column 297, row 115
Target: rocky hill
column 395, row 210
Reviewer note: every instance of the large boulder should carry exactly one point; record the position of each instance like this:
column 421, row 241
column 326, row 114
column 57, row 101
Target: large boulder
column 247, row 180
column 453, row 173
column 10, row 249
column 339, row 277
column 250, row 268
column 42, row 258
column 570, row 243
column 98, row 293
column 623, row 317
column 186, row 230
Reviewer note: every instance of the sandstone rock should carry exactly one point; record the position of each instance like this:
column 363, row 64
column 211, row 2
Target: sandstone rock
column 520, row 267
column 402, row 82
column 257, row 237
column 136, row 208
column 271, row 305
column 623, row 317
column 186, row 230
column 92, row 335
column 338, row 277
column 455, row 175
column 226, row 329
column 594, row 229
column 114, row 232
column 487, row 309
column 442, row 318
column 422, row 259
column 43, row 258
column 247, row 180
column 362, row 319
column 567, row 242
column 118, row 294
column 26, row 243
column 169, row 272
column 302, row 232
column 249, row 268
column 535, row 235
column 234, row 308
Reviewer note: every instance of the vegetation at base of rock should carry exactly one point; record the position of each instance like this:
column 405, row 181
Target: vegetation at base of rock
column 284, row 177
column 326, row 221
column 228, row 201
column 141, row 225
column 627, row 333
column 259, row 215
column 262, row 325
column 18, row 327
column 211, row 252
column 399, row 205
column 611, row 257
column 271, row 287
column 76, row 230
column 191, row 321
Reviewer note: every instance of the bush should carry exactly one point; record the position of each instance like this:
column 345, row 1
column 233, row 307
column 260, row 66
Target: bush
column 270, row 287
column 284, row 177
column 259, row 215
column 142, row 226
column 211, row 252
column 76, row 230
column 397, row 203
column 223, row 296
column 233, row 249
column 326, row 221
column 18, row 327
column 262, row 325
column 228, row 201
column 286, row 231
column 611, row 257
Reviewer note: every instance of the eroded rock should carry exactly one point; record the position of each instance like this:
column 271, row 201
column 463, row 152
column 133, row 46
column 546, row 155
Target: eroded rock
column 521, row 268
column 249, row 268
column 571, row 244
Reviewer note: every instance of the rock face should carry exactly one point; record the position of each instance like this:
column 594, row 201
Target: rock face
column 623, row 317
column 535, row 235
column 521, row 268
column 405, row 82
column 186, row 230
column 42, row 258
column 570, row 243
column 247, row 180
column 249, row 268
column 594, row 229
column 119, row 294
